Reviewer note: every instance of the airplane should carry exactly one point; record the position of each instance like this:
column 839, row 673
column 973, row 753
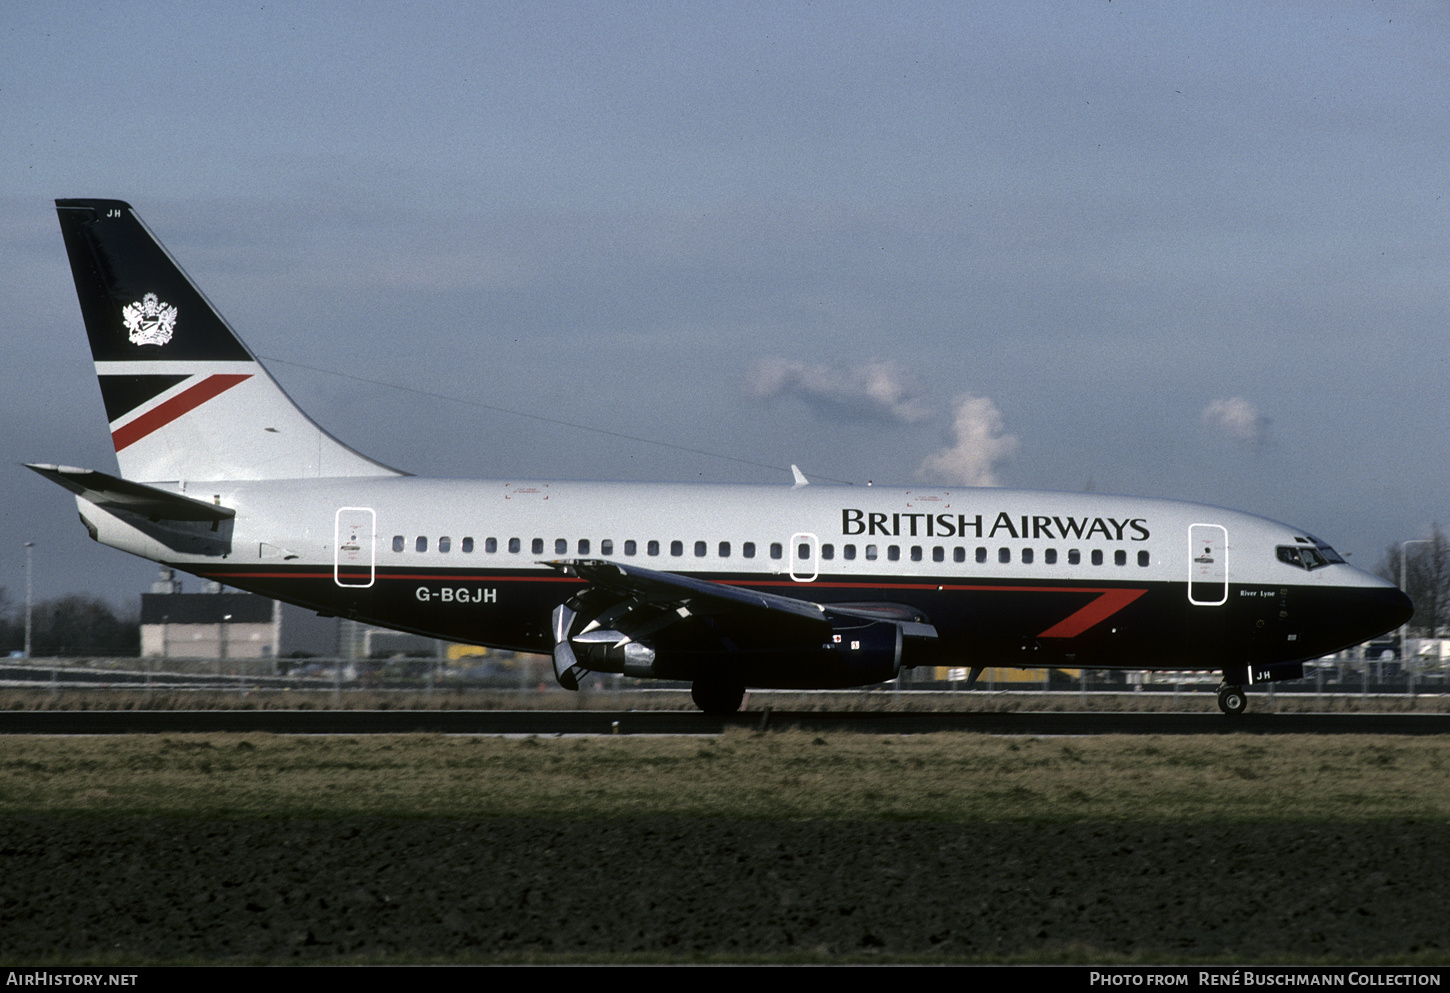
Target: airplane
column 796, row 585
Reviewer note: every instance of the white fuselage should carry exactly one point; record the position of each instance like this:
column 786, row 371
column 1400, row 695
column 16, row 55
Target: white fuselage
column 468, row 559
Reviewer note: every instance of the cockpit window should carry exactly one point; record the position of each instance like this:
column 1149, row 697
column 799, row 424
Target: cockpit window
column 1330, row 555
column 1304, row 556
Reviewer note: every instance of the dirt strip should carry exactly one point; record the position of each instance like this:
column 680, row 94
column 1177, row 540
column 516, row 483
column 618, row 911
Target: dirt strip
column 451, row 890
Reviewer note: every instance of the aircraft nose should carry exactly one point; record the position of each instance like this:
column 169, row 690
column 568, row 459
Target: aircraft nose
column 1385, row 609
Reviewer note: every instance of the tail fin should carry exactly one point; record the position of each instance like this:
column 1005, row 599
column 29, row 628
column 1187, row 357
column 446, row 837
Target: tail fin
column 185, row 398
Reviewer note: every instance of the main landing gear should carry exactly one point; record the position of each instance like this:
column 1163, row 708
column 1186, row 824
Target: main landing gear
column 1232, row 700
column 717, row 697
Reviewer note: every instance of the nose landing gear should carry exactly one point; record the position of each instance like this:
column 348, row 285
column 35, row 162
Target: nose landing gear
column 1232, row 700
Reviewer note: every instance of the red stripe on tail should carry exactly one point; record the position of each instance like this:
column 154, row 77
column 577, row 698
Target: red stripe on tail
column 160, row 416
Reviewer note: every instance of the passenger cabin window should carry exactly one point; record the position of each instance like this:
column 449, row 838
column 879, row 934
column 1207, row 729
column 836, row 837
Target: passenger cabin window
column 583, row 546
column 938, row 554
column 630, row 547
column 538, row 546
column 776, row 549
column 828, row 552
column 421, row 544
column 1004, row 555
column 981, row 555
column 871, row 552
column 849, row 551
column 916, row 553
column 699, row 549
column 677, row 548
column 893, row 552
column 653, row 548
column 959, row 554
column 1074, row 557
column 1143, row 557
column 748, row 549
column 515, row 545
column 561, row 546
column 1049, row 556
column 398, row 543
column 467, row 546
column 606, row 547
column 1120, row 557
column 1026, row 556
column 724, row 549
column 490, row 545
column 1097, row 556
column 445, row 544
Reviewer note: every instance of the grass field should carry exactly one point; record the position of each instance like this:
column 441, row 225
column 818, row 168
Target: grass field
column 780, row 847
column 787, row 775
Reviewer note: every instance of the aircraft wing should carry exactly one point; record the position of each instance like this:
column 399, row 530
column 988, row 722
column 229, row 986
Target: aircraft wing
column 627, row 615
column 653, row 583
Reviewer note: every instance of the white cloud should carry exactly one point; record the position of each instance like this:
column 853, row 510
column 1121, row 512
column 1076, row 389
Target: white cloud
column 1239, row 420
column 978, row 445
column 878, row 390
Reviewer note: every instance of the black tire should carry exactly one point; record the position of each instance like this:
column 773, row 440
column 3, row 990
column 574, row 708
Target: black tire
column 717, row 697
column 1232, row 700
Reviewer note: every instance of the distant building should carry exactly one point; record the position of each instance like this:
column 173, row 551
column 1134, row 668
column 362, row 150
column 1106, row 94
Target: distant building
column 228, row 625
column 357, row 640
column 1428, row 649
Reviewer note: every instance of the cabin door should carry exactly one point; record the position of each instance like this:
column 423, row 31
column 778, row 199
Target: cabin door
column 1207, row 565
column 354, row 547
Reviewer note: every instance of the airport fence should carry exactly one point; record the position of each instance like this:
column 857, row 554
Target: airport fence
column 526, row 681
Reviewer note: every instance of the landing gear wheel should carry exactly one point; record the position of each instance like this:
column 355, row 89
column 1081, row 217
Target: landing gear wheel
column 1232, row 700
column 717, row 697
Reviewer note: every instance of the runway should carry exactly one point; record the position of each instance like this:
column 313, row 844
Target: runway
column 557, row 722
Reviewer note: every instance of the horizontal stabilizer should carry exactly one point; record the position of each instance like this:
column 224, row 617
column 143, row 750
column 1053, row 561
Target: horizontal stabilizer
column 111, row 493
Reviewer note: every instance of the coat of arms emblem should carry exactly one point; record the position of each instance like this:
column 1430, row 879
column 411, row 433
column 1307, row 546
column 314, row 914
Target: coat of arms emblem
column 150, row 321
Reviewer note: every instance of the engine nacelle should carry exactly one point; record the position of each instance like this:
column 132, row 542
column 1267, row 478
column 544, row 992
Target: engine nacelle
column 870, row 651
column 844, row 646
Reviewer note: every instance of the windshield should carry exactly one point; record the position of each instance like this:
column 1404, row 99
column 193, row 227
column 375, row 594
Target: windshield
column 1330, row 555
column 1309, row 556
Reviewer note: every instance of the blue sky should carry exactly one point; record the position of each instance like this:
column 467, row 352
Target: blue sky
column 1196, row 251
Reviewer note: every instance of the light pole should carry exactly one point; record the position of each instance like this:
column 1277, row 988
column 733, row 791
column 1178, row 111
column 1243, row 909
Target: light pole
column 222, row 648
column 29, row 593
column 1405, row 627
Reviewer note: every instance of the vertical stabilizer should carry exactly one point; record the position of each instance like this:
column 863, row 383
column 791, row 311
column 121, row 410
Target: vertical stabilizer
column 185, row 398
